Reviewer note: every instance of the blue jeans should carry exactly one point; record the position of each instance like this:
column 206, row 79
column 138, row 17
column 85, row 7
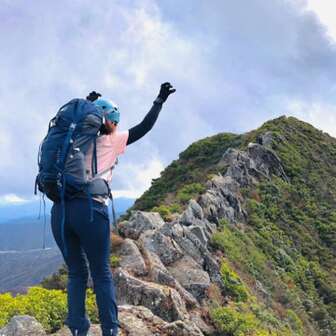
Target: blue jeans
column 92, row 239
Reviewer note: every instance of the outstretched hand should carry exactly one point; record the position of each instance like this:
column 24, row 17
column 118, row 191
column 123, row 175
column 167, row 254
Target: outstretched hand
column 165, row 90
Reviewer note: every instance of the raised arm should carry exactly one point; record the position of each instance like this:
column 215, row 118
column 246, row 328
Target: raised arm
column 138, row 131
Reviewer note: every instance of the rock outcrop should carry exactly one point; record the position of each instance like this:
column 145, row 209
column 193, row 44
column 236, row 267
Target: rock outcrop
column 23, row 325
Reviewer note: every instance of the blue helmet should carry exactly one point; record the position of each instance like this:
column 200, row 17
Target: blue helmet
column 109, row 109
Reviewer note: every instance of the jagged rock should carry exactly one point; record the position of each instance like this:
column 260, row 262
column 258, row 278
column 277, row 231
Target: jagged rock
column 196, row 317
column 266, row 161
column 23, row 325
column 209, row 228
column 199, row 232
column 223, row 200
column 163, row 246
column 244, row 168
column 139, row 222
column 163, row 301
column 268, row 138
column 192, row 212
column 193, row 218
column 95, row 330
column 202, row 247
column 191, row 276
column 180, row 328
column 248, row 167
column 212, row 267
column 241, row 168
column 139, row 321
column 185, row 239
column 159, row 273
column 131, row 258
column 156, row 269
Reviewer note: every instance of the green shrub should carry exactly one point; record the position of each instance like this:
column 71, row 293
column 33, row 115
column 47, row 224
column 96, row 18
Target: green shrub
column 175, row 208
column 189, row 191
column 234, row 323
column 166, row 211
column 49, row 307
column 246, row 319
column 57, row 280
column 91, row 306
column 294, row 322
column 114, row 260
column 222, row 223
column 233, row 285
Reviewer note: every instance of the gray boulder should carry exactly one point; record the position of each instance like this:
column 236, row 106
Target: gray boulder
column 159, row 274
column 163, row 301
column 192, row 212
column 181, row 328
column 223, row 200
column 185, row 239
column 140, row 321
column 131, row 258
column 193, row 218
column 191, row 276
column 23, row 325
column 162, row 245
column 266, row 161
column 269, row 138
column 139, row 222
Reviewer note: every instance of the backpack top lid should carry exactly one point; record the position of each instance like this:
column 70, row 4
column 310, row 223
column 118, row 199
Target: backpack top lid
column 77, row 109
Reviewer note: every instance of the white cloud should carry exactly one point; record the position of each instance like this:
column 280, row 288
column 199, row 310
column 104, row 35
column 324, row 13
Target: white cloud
column 325, row 10
column 234, row 64
column 137, row 178
column 12, row 199
column 320, row 114
column 123, row 51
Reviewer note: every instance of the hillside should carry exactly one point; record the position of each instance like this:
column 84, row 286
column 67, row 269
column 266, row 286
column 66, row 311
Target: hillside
column 14, row 233
column 21, row 269
column 236, row 237
column 282, row 233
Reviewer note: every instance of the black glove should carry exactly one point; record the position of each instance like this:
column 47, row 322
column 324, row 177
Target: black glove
column 165, row 90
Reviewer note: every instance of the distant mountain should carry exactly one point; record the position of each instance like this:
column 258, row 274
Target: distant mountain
column 25, row 234
column 23, row 262
column 18, row 231
column 20, row 269
column 32, row 209
column 21, row 210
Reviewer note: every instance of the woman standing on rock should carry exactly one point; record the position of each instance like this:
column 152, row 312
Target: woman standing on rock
column 83, row 236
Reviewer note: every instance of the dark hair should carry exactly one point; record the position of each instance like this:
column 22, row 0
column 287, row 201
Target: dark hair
column 93, row 96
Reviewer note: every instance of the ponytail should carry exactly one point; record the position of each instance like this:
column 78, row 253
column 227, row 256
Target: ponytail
column 93, row 96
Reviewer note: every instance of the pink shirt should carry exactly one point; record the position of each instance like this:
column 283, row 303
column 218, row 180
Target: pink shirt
column 108, row 148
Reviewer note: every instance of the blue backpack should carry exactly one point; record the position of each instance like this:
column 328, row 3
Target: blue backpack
column 62, row 155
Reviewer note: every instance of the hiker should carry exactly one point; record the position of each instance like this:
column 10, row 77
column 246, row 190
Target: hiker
column 86, row 238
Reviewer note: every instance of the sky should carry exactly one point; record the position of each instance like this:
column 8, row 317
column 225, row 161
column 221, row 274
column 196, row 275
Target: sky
column 235, row 64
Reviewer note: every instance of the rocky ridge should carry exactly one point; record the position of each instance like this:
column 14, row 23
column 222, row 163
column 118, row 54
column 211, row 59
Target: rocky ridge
column 166, row 269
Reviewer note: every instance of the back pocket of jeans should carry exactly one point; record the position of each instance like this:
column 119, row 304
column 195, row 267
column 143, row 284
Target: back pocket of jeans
column 102, row 210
